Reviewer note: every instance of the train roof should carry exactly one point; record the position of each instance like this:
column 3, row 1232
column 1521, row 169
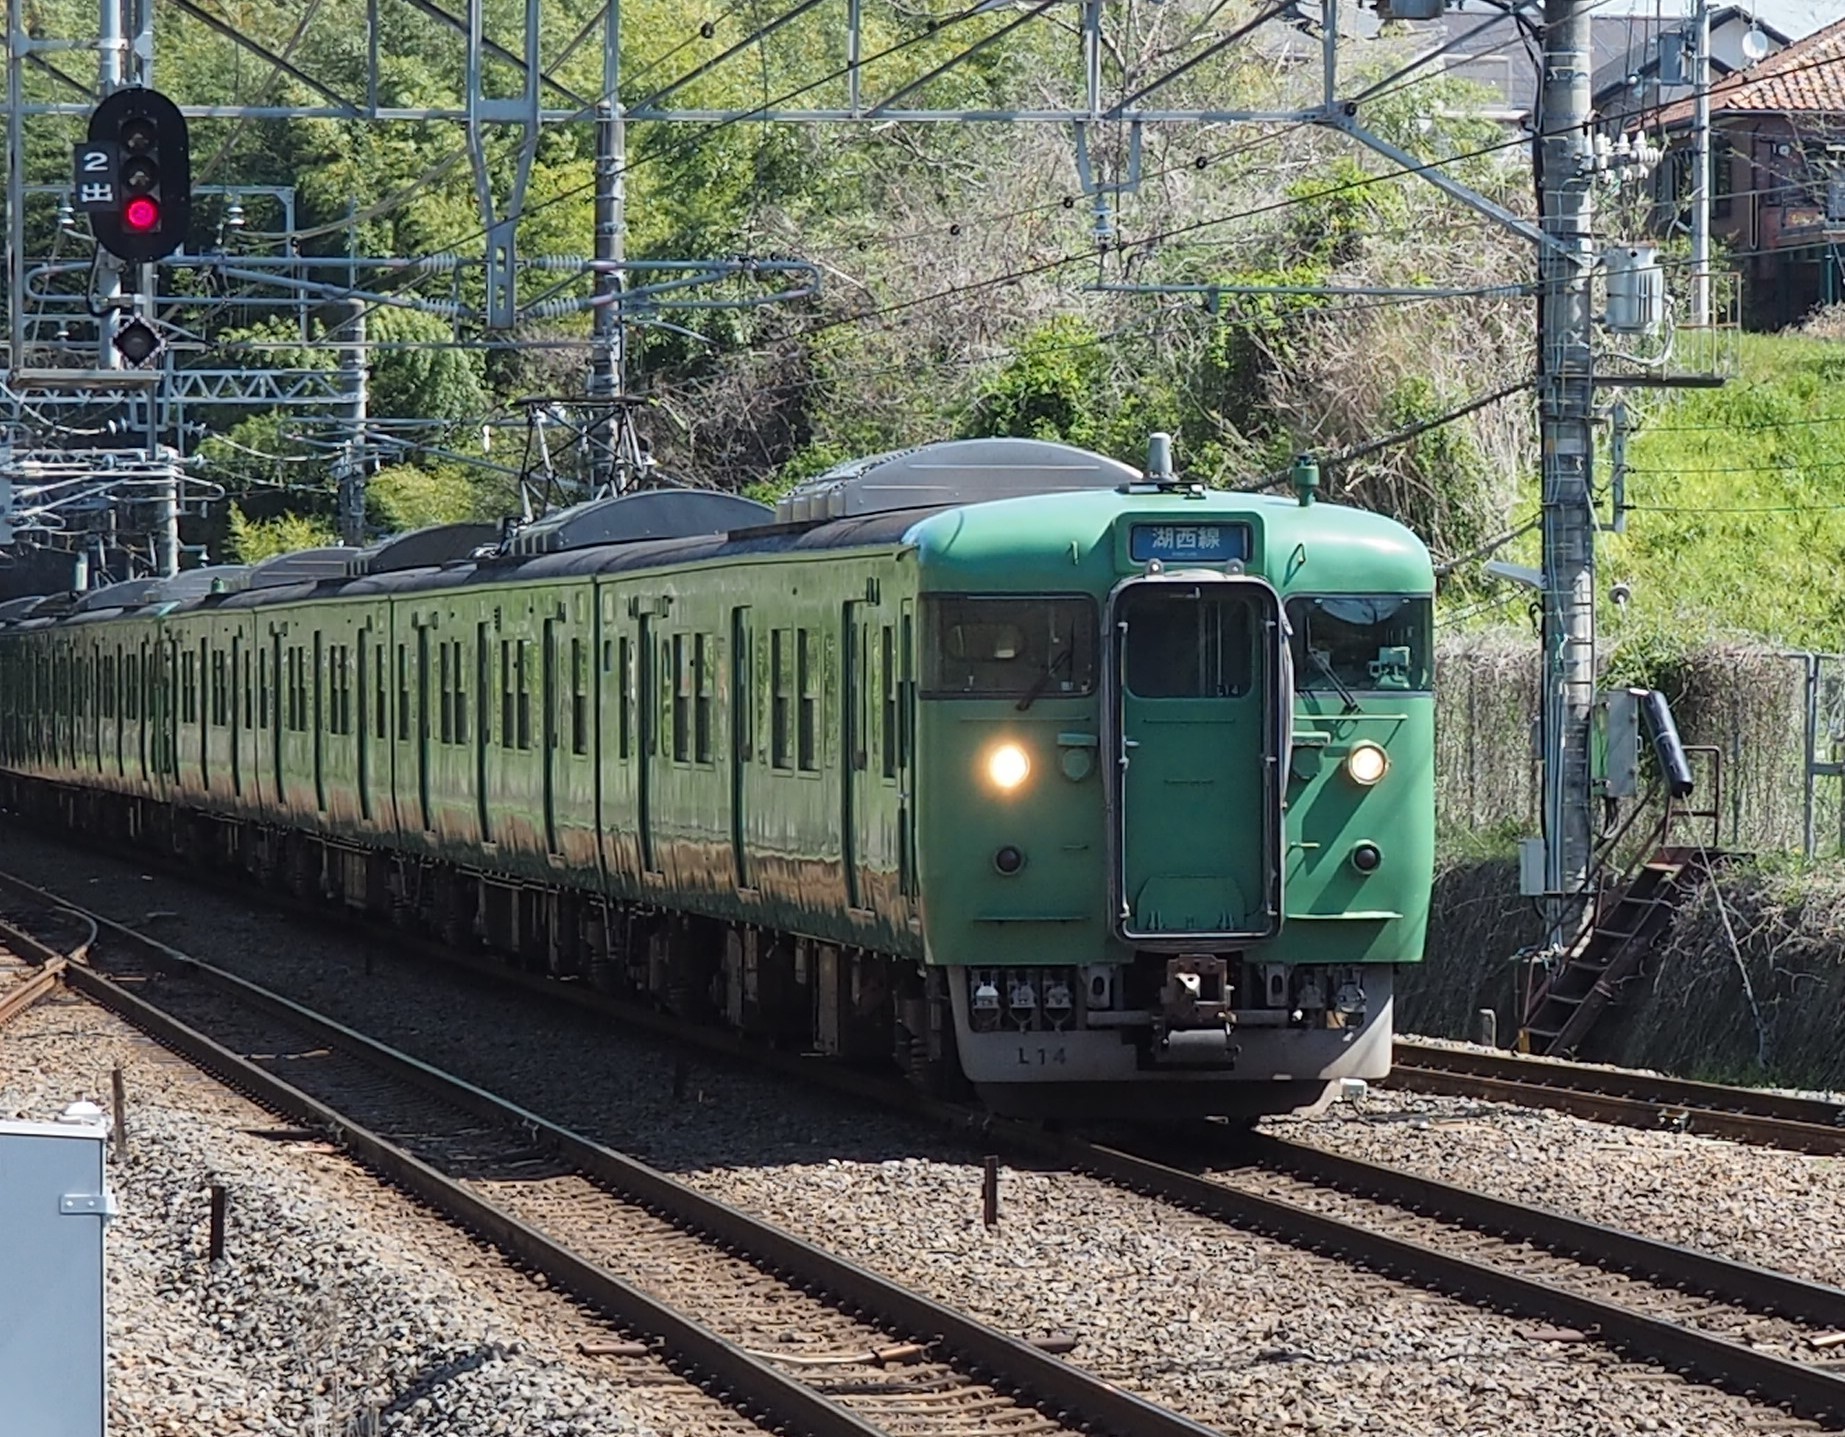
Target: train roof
column 932, row 498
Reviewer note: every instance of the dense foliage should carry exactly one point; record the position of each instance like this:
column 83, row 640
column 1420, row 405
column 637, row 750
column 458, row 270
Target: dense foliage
column 969, row 286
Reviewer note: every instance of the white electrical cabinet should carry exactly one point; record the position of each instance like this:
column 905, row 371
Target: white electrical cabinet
column 54, row 1206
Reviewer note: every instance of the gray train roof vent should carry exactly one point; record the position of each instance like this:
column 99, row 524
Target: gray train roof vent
column 304, row 566
column 650, row 514
column 129, row 594
column 956, row 471
column 197, row 583
column 422, row 549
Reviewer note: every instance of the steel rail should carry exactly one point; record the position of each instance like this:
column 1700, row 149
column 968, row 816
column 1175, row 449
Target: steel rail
column 28, row 991
column 1065, row 1391
column 1742, row 1284
column 1620, row 1096
column 1809, row 1391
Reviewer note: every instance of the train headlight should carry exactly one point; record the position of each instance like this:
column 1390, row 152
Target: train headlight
column 1008, row 766
column 1366, row 764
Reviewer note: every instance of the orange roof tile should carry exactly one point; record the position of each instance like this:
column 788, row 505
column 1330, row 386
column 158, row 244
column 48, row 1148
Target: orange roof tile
column 1808, row 77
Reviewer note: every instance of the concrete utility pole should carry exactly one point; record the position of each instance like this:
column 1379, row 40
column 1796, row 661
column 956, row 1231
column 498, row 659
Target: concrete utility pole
column 1566, row 404
column 608, row 355
column 1700, row 172
column 350, row 459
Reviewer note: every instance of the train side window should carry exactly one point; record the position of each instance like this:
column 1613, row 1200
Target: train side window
column 508, row 732
column 625, row 737
column 262, row 687
column 445, row 685
column 742, row 686
column 887, row 693
column 779, row 660
column 579, row 697
column 807, row 683
column 461, row 693
column 343, row 689
column 483, row 682
column 379, row 722
column 682, row 700
column 525, row 694
column 403, row 693
column 188, row 691
column 701, row 698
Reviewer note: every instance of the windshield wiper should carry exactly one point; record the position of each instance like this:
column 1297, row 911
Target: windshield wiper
column 1043, row 681
column 1338, row 683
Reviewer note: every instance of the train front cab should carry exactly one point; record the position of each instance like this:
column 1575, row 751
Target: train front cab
column 1242, row 957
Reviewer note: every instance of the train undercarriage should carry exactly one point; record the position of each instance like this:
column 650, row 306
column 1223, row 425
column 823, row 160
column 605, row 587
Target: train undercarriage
column 1148, row 1050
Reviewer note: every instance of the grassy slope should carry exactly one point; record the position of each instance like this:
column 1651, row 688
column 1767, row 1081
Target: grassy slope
column 1738, row 495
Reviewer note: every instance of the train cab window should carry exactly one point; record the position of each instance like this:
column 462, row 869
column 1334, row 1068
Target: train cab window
column 1360, row 641
column 1184, row 642
column 977, row 646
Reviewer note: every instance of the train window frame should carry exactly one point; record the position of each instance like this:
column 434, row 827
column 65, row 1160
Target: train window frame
column 523, row 690
column 579, row 697
column 702, row 646
column 1082, row 643
column 807, row 687
column 1309, row 677
column 781, row 666
column 682, row 701
column 1227, row 664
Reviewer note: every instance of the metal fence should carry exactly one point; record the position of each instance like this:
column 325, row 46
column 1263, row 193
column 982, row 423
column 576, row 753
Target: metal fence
column 1776, row 716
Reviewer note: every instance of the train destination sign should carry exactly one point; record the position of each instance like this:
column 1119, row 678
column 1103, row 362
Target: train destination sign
column 1198, row 543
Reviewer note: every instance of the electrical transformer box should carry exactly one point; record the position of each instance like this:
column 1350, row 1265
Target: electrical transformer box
column 53, row 1208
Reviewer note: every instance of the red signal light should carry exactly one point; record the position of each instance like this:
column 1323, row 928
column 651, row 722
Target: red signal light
column 141, row 215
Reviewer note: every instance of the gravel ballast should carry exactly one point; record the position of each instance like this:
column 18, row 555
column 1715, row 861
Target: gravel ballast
column 339, row 1307
column 1237, row 1331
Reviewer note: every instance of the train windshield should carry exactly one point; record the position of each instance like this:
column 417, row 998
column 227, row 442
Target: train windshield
column 1362, row 641
column 977, row 646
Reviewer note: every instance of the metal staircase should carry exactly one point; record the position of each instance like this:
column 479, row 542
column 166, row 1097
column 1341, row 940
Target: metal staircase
column 1563, row 1005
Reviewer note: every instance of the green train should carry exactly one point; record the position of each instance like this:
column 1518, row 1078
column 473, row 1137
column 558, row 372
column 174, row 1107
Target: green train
column 1102, row 793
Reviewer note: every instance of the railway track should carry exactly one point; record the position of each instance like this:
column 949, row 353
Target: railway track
column 1744, row 1329
column 1614, row 1095
column 1747, row 1330
column 776, row 1329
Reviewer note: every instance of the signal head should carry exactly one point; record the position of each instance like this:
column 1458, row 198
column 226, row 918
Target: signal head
column 141, row 215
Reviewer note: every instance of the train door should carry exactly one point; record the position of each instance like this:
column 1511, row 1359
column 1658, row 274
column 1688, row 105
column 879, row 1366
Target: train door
column 1196, row 697
column 317, row 719
column 422, row 726
column 548, row 700
column 362, row 732
column 742, row 735
column 857, row 796
column 240, row 678
column 904, row 760
column 647, row 702
column 483, row 730
column 274, row 690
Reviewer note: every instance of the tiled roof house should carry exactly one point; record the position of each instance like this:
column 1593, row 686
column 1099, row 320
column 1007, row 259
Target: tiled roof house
column 1777, row 175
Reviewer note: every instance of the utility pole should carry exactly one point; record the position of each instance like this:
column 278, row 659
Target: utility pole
column 1700, row 173
column 1565, row 398
column 350, row 457
column 608, row 353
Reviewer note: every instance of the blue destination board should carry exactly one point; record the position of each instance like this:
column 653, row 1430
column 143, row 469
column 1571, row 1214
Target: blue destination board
column 1198, row 543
